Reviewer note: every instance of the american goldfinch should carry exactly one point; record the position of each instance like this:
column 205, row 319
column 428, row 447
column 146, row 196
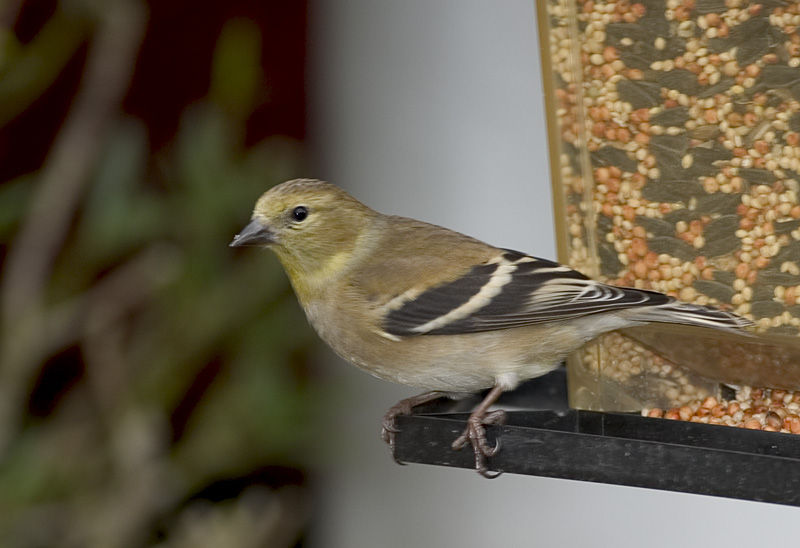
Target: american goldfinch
column 421, row 305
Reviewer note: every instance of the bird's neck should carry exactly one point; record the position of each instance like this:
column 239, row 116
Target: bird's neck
column 313, row 275
column 310, row 282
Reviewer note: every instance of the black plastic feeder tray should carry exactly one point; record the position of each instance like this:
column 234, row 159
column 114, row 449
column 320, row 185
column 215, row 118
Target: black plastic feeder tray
column 615, row 448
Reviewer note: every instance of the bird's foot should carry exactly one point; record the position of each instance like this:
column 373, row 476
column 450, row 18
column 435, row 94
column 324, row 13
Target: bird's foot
column 389, row 422
column 403, row 407
column 475, row 434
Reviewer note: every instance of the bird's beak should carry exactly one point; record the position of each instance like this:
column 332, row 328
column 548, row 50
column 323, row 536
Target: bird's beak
column 254, row 233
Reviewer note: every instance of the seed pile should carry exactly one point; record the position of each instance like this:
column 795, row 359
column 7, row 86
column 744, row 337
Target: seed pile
column 756, row 409
column 679, row 126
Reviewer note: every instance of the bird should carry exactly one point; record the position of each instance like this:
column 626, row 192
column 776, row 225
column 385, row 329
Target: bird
column 421, row 305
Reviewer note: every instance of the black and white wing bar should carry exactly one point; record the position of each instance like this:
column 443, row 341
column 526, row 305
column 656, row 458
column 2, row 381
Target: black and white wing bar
column 514, row 290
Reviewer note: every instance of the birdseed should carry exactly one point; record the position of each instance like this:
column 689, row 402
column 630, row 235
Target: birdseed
column 653, row 379
column 678, row 127
column 752, row 408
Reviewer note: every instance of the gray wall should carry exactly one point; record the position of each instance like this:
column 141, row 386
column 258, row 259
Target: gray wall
column 433, row 109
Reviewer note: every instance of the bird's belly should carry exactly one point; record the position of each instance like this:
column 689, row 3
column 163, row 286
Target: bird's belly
column 452, row 363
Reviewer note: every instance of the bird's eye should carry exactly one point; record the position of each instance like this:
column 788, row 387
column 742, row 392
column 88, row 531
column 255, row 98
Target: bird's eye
column 300, row 213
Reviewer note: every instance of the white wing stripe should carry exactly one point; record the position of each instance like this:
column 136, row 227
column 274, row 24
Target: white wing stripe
column 500, row 277
column 403, row 298
column 550, row 269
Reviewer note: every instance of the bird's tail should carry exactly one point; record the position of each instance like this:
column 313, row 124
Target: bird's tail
column 690, row 314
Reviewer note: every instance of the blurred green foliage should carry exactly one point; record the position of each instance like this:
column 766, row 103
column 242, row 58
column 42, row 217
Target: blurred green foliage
column 190, row 356
column 237, row 83
column 27, row 72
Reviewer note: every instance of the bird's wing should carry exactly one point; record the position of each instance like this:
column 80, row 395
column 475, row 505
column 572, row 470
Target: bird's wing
column 510, row 290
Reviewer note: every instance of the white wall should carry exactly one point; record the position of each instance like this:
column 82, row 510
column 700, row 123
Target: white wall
column 433, row 109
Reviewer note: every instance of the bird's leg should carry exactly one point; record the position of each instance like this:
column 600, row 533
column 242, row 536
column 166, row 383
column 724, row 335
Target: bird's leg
column 475, row 432
column 404, row 407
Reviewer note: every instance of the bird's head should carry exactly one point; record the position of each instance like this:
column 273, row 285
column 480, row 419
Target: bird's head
column 312, row 226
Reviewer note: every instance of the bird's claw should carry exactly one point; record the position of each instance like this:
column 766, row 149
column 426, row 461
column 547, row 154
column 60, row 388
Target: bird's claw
column 403, row 407
column 475, row 434
column 389, row 428
column 389, row 422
